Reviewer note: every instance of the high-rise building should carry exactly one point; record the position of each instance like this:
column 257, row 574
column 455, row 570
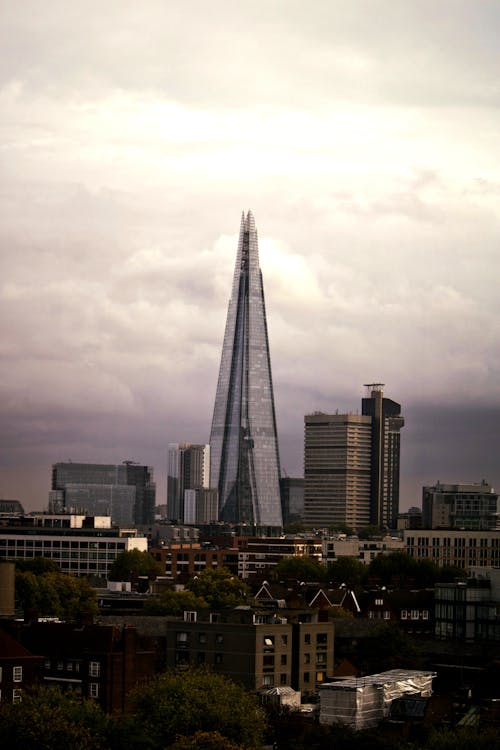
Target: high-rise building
column 126, row 491
column 351, row 465
column 243, row 440
column 337, row 470
column 188, row 469
column 386, row 441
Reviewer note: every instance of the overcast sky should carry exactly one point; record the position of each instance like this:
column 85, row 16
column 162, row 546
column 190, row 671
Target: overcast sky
column 365, row 138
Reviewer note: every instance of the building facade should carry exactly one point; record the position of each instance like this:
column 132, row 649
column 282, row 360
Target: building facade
column 258, row 649
column 243, row 440
column 292, row 499
column 126, row 491
column 188, row 469
column 462, row 549
column 80, row 545
column 337, row 470
column 352, row 465
column 460, row 506
column 385, row 455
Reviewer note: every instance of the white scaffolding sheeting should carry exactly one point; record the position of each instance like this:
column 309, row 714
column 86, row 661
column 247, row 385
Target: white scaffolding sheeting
column 362, row 703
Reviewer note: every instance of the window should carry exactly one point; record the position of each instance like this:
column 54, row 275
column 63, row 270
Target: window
column 284, row 640
column 16, row 696
column 387, row 615
column 60, row 665
column 269, row 641
column 414, row 614
column 306, row 676
column 190, row 616
column 404, row 614
column 320, row 676
column 267, row 680
column 307, row 658
column 94, row 689
column 214, row 617
column 182, row 637
column 283, row 680
column 69, row 666
column 46, row 664
column 307, row 638
column 379, row 602
column 425, row 614
column 218, row 658
column 17, row 674
column 94, row 669
column 322, row 638
column 219, row 638
column 283, row 660
column 200, row 657
column 202, row 637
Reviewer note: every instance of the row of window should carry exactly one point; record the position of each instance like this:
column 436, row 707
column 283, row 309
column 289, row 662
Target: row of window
column 72, row 665
column 16, row 695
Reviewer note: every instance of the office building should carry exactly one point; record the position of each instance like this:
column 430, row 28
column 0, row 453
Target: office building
column 126, row 491
column 461, row 548
column 351, row 465
column 80, row 545
column 460, row 506
column 337, row 470
column 243, row 440
column 385, row 461
column 292, row 499
column 188, row 469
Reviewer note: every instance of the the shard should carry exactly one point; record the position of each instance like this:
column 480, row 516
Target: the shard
column 244, row 451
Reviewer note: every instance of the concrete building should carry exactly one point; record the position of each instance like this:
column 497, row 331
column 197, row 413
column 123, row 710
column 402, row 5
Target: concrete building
column 337, row 470
column 464, row 549
column 258, row 649
column 364, row 550
column 385, row 455
column 80, row 545
column 460, row 506
column 126, row 491
column 245, row 464
column 352, row 465
column 188, row 469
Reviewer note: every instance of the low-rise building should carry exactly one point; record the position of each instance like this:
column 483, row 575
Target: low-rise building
column 259, row 649
column 80, row 545
column 462, row 549
column 460, row 506
column 469, row 610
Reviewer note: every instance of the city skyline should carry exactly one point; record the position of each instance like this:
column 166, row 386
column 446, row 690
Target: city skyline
column 363, row 138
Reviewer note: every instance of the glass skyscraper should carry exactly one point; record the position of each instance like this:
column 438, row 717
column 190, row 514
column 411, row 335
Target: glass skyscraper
column 244, row 453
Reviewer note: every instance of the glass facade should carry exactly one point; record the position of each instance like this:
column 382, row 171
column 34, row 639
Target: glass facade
column 243, row 441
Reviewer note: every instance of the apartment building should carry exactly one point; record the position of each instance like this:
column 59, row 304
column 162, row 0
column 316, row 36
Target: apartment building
column 258, row 649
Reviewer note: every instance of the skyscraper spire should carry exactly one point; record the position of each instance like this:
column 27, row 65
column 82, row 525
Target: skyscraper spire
column 243, row 441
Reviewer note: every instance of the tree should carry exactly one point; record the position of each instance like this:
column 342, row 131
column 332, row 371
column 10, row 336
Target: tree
column 197, row 700
column 173, row 603
column 347, row 570
column 56, row 595
column 388, row 648
column 205, row 741
column 131, row 564
column 300, row 568
column 38, row 566
column 367, row 532
column 219, row 588
column 47, row 719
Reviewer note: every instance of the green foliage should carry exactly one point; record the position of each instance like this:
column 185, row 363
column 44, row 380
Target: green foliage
column 218, row 587
column 300, row 568
column 294, row 527
column 197, row 700
column 47, row 719
column 131, row 564
column 347, row 570
column 467, row 738
column 56, row 595
column 388, row 648
column 205, row 741
column 370, row 531
column 38, row 566
column 173, row 603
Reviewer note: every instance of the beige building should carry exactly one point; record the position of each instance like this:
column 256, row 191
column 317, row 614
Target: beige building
column 258, row 649
column 464, row 549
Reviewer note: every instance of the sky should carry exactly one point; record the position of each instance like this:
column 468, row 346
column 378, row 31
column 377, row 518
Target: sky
column 365, row 138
